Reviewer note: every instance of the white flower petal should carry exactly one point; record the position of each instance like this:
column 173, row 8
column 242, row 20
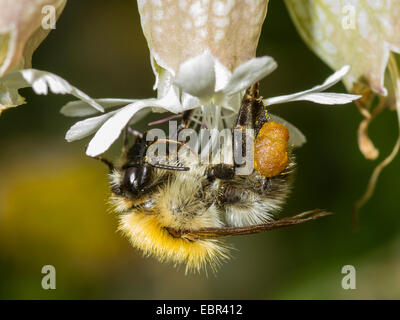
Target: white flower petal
column 222, row 75
column 232, row 102
column 248, row 73
column 329, row 82
column 189, row 102
column 296, row 137
column 171, row 102
column 113, row 127
column 164, row 81
column 86, row 127
column 328, row 98
column 42, row 80
column 196, row 76
column 334, row 78
column 9, row 98
column 13, row 80
column 82, row 109
column 140, row 115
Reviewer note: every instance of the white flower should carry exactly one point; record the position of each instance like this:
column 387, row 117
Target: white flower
column 195, row 87
column 203, row 57
column 206, row 81
column 178, row 30
column 21, row 32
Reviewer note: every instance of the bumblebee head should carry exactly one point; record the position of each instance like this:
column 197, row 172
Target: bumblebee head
column 135, row 177
column 135, row 180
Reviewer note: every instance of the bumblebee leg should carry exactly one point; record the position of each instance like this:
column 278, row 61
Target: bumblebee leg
column 125, row 142
column 137, row 151
column 135, row 133
column 251, row 115
column 220, row 171
column 212, row 233
column 252, row 110
column 109, row 164
column 186, row 116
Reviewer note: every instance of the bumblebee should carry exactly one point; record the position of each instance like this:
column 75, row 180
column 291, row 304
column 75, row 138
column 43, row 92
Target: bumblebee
column 177, row 210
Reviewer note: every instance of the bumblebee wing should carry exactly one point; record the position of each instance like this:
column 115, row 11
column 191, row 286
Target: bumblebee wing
column 297, row 138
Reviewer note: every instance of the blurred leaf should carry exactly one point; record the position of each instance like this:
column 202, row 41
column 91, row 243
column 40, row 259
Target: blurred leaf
column 46, row 213
column 21, row 32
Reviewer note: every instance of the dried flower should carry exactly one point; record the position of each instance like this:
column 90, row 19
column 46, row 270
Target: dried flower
column 21, row 32
column 365, row 35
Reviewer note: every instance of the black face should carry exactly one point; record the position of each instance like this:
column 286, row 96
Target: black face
column 136, row 178
column 137, row 172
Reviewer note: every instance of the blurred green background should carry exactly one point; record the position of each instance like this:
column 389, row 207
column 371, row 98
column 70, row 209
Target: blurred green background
column 53, row 206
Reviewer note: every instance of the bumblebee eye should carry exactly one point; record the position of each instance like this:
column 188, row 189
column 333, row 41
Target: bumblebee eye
column 136, row 178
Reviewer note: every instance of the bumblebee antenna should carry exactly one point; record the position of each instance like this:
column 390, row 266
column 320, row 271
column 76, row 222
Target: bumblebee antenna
column 168, row 167
column 179, row 143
